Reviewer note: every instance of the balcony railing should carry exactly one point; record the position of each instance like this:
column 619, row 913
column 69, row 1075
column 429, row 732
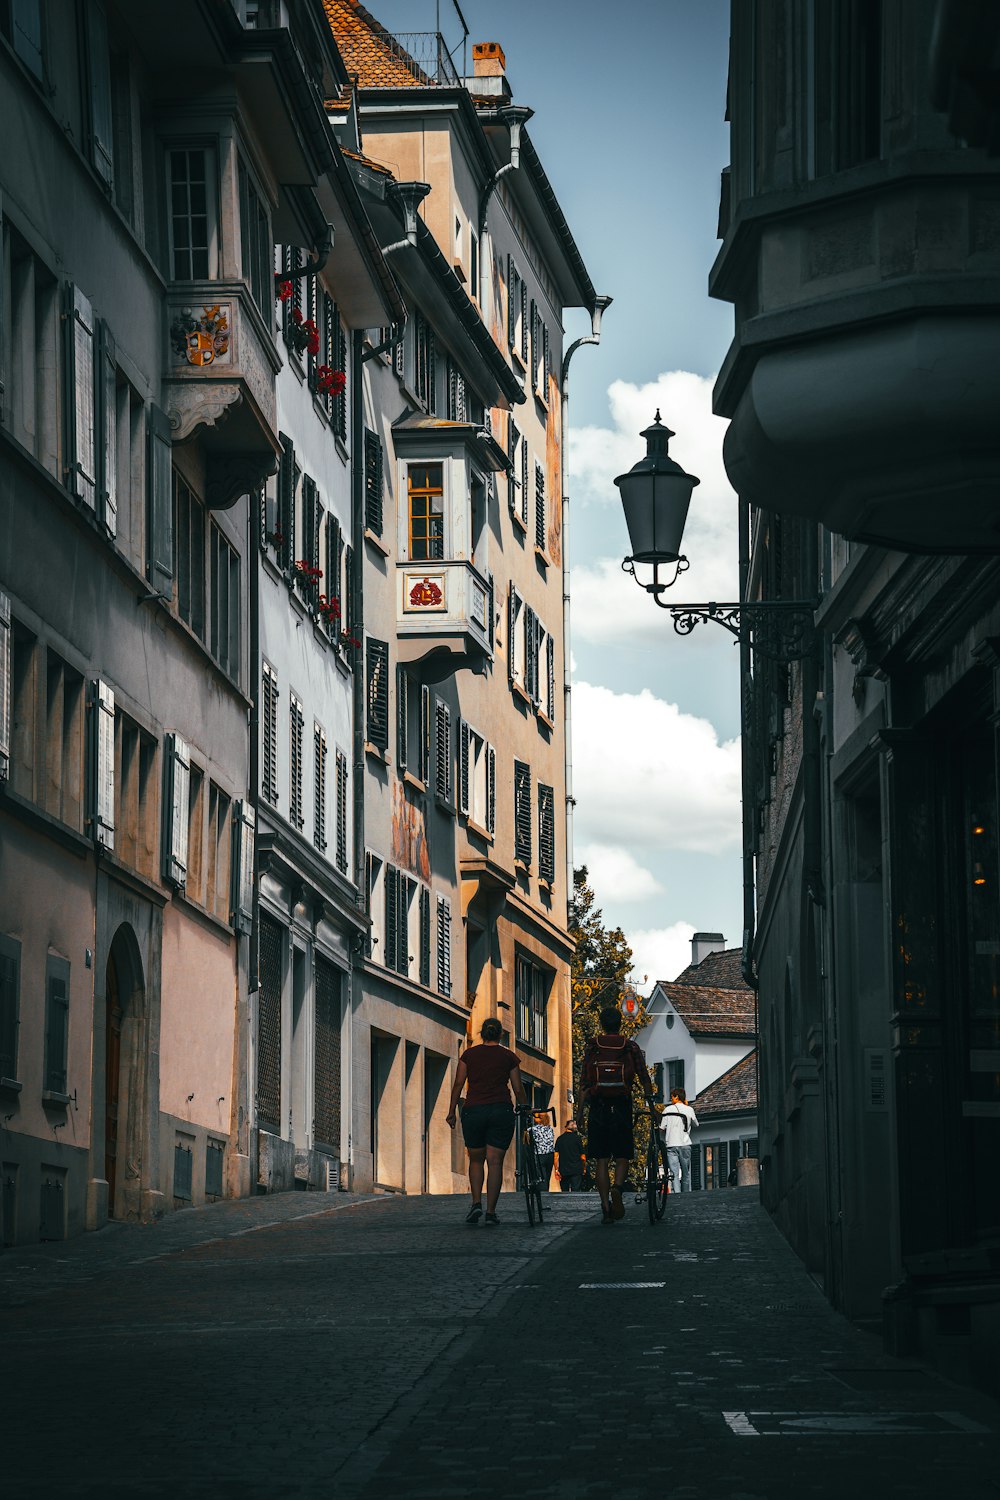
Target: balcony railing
column 443, row 605
column 421, row 54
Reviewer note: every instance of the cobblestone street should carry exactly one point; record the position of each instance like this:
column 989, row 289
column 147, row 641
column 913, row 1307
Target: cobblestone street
column 288, row 1346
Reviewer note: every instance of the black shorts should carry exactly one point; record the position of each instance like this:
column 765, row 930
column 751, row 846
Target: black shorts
column 488, row 1125
column 609, row 1129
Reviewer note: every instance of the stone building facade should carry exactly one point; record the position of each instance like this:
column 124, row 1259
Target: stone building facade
column 861, row 252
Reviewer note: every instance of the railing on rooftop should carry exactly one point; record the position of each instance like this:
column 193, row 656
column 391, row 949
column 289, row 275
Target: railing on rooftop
column 423, row 54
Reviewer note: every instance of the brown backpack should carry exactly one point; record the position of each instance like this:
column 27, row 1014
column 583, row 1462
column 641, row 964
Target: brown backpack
column 609, row 1067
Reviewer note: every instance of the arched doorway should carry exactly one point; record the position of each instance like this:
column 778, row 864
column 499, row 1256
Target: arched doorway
column 112, row 1079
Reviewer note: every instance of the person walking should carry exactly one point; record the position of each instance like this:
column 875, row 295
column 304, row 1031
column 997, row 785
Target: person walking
column 611, row 1068
column 491, row 1071
column 569, row 1159
column 545, row 1144
column 675, row 1123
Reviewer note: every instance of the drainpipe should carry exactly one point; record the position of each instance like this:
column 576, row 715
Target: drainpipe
column 253, row 792
column 749, row 808
column 514, row 116
column 408, row 196
column 357, row 615
column 601, row 304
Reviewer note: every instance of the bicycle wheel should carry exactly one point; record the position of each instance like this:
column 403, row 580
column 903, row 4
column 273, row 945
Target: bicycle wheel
column 652, row 1185
column 663, row 1178
column 538, row 1201
column 529, row 1178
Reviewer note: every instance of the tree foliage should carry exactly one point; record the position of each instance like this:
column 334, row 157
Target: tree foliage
column 601, row 967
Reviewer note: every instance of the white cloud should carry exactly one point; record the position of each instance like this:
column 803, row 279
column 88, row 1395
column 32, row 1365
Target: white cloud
column 603, row 608
column 647, row 775
column 659, row 953
column 615, row 874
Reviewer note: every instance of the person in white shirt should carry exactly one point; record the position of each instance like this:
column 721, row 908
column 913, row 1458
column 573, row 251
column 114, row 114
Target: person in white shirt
column 675, row 1123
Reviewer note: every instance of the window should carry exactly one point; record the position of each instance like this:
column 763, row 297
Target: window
column 425, row 936
column 63, row 775
column 56, row 1026
column 847, row 116
column 288, row 476
column 457, row 402
column 269, row 729
column 476, row 778
column 540, row 517
column 22, row 24
column 333, row 343
column 443, row 945
column 341, row 812
column 10, row 993
column 522, row 812
column 256, row 250
column 473, row 264
column 514, row 444
column 20, row 741
column 425, row 494
column 413, row 725
column 531, row 1002
column 675, row 1073
column 442, row 753
column 515, row 289
column 99, row 90
column 319, row 786
column 377, row 730
column 327, row 1071
column 215, row 1153
column 296, row 724
column 219, row 853
column 136, row 794
column 375, row 885
column 546, row 834
column 534, row 639
column 374, row 482
column 515, row 638
column 195, row 887
column 191, row 213
column 424, row 372
column 550, row 678
column 224, row 604
column 189, row 556
column 176, row 809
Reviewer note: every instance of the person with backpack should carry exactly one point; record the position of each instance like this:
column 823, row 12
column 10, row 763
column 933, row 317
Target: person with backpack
column 611, row 1068
column 675, row 1123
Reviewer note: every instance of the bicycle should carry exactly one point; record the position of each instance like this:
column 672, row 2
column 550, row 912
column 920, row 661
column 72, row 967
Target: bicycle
column 657, row 1171
column 529, row 1172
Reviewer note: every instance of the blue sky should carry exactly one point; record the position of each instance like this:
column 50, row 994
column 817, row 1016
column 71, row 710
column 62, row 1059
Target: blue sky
column 629, row 104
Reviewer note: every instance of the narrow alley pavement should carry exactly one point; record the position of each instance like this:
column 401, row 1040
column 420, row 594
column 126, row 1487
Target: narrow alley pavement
column 296, row 1346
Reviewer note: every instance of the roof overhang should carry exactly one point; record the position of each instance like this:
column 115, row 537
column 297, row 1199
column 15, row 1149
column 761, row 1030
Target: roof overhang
column 428, row 435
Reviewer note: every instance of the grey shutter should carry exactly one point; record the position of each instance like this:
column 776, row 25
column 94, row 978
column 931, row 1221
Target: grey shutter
column 341, row 812
column 102, row 762
column 391, row 883
column 522, row 812
column 534, row 346
column 108, row 389
column 176, row 795
column 546, row 833
column 524, row 322
column 464, row 738
column 444, row 945
column 443, row 751
column 402, row 716
column 81, row 403
column 425, row 734
column 546, row 362
column 286, row 502
column 5, row 687
column 550, row 677
column 373, row 482
column 244, row 829
column 524, row 480
column 491, row 790
column 425, row 935
column 512, row 482
column 99, row 79
column 4, row 352
column 511, row 627
column 161, row 504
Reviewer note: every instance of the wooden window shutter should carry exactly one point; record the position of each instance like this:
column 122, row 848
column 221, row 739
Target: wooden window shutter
column 161, row 504
column 540, row 519
column 374, row 482
column 550, row 677
column 333, row 571
column 531, row 653
column 347, row 597
column 319, row 787
column 378, row 694
column 108, row 391
column 244, row 830
column 525, row 466
column 269, row 727
column 340, row 402
column 464, row 747
column 443, row 751
column 524, row 322
column 99, row 71
column 546, row 361
column 511, row 302
column 102, row 759
column 176, row 797
column 444, row 945
column 425, row 935
column 342, row 812
column 512, row 603
column 391, row 954
column 425, row 734
column 546, row 833
column 491, row 609
column 5, row 687
column 402, row 716
column 296, row 724
column 82, row 406
column 286, row 502
column 491, row 790
column 56, row 1027
column 406, row 889
column 522, row 812
column 512, row 440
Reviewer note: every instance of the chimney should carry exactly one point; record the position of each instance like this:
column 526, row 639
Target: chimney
column 704, row 943
column 488, row 60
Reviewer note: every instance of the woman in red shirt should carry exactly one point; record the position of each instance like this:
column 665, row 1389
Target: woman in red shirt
column 491, row 1071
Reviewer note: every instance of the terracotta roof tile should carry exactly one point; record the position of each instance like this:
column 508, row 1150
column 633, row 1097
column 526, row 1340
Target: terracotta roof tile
column 368, row 50
column 711, row 1012
column 721, row 970
column 366, row 161
column 734, row 1093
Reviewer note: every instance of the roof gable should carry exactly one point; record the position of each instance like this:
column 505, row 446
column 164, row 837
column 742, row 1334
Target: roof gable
column 707, row 1012
column 735, row 1092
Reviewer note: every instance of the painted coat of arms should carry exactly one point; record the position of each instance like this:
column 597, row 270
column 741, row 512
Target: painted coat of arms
column 201, row 338
column 426, row 594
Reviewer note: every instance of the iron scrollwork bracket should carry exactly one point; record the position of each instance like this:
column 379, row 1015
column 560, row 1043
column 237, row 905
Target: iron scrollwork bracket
column 782, row 629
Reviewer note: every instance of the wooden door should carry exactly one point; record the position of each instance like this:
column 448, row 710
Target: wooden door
column 112, row 1076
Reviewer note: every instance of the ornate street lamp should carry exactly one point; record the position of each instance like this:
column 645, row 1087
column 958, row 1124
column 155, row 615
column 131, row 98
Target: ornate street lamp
column 656, row 494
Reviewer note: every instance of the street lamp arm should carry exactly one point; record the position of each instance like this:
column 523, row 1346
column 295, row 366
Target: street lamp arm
column 782, row 629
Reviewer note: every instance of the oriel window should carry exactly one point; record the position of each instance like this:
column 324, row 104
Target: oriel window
column 425, row 489
column 192, row 212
